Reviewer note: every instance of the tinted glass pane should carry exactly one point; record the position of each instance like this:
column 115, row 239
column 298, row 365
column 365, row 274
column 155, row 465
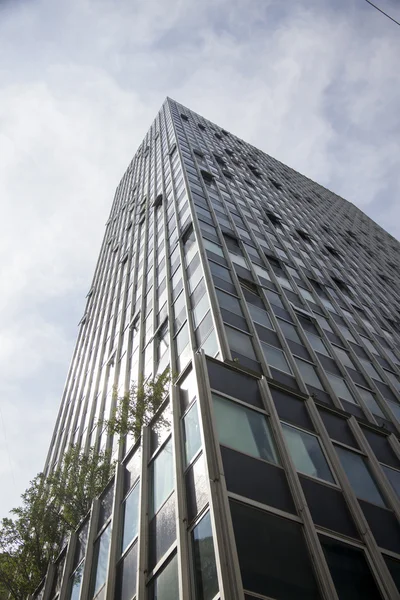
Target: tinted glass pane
column 317, row 343
column 132, row 470
column 350, row 572
column 306, row 453
column 76, row 581
column 273, row 555
column 126, row 576
column 359, row 476
column 187, row 390
column 165, row 585
column 100, row 560
column 240, row 342
column 162, row 531
column 275, row 358
column 220, row 271
column 308, row 373
column 229, row 302
column 196, row 487
column 131, row 513
column 191, row 433
column 394, row 568
column 370, row 401
column 106, row 502
column 259, row 316
column 243, row 429
column 161, row 477
column 340, row 388
column 394, row 478
column 204, row 560
column 289, row 331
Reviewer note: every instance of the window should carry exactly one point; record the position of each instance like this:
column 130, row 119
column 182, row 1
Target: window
column 340, row 388
column 229, row 302
column 272, row 555
column 350, row 571
column 191, row 433
column 206, row 580
column 289, row 331
column 165, row 586
column 306, row 294
column 130, row 515
column 275, row 358
column 126, row 575
column 240, row 342
column 343, row 356
column 243, row 429
column 370, row 401
column 100, row 560
column 75, row 582
column 259, row 316
column 213, row 247
column 317, row 343
column 309, row 374
column 161, row 478
column 370, row 369
column 394, row 478
column 359, row 476
column 323, row 322
column 306, row 453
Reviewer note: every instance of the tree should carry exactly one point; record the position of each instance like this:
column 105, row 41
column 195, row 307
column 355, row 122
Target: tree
column 80, row 478
column 137, row 406
column 51, row 508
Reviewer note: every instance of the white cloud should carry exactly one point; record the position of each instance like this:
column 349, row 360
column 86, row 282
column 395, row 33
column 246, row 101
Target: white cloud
column 310, row 85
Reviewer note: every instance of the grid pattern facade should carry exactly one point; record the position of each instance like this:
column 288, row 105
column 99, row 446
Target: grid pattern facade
column 276, row 471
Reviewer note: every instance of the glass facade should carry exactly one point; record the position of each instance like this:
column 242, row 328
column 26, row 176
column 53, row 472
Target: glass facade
column 271, row 470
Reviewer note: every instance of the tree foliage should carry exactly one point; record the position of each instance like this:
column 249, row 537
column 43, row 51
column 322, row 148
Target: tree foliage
column 137, row 407
column 51, row 508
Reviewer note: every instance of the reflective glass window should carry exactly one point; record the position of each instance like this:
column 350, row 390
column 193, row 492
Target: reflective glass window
column 161, row 477
column 259, row 316
column 317, row 343
column 240, row 342
column 370, row 401
column 130, row 510
column 275, row 358
column 340, row 388
column 309, row 373
column 206, row 580
column 191, row 433
column 359, row 476
column 243, row 429
column 165, row 586
column 100, row 560
column 394, row 478
column 289, row 331
column 350, row 571
column 306, row 453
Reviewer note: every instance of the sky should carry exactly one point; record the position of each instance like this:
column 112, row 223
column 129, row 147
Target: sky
column 313, row 83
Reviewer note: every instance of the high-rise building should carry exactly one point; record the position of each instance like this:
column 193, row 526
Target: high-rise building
column 275, row 303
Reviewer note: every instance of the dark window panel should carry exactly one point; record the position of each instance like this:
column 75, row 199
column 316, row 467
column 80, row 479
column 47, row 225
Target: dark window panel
column 233, row 383
column 125, row 588
column 394, row 567
column 257, row 480
column 328, row 507
column 381, row 448
column 273, row 555
column 338, row 428
column 291, row 409
column 162, row 531
column 384, row 526
column 196, row 488
column 350, row 571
